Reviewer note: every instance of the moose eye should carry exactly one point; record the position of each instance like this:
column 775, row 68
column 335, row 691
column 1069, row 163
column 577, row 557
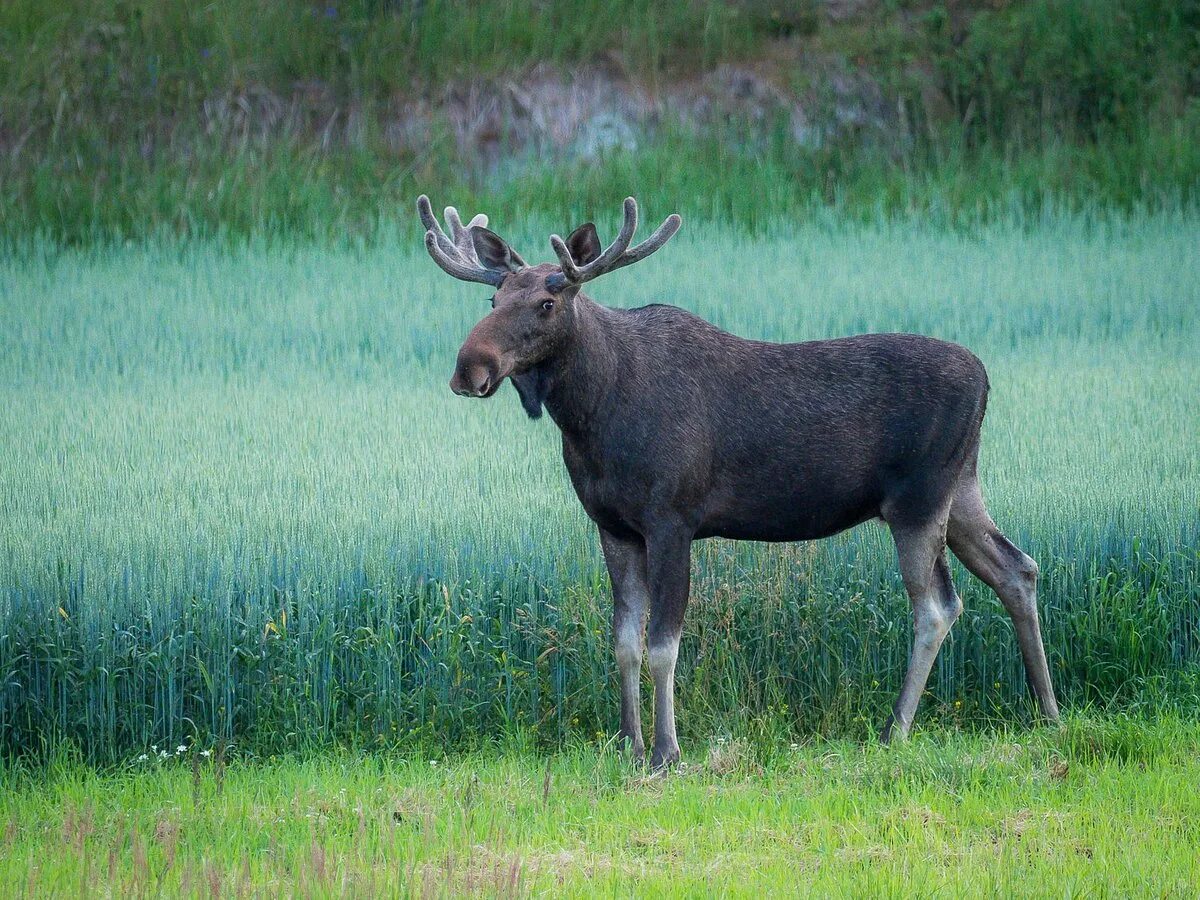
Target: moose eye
column 548, row 305
column 493, row 301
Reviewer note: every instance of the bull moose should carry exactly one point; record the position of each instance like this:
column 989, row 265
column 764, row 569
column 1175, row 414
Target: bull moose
column 674, row 430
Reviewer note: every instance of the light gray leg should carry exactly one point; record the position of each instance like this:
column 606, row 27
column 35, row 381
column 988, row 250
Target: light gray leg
column 669, row 570
column 662, row 666
column 935, row 606
column 996, row 561
column 626, row 560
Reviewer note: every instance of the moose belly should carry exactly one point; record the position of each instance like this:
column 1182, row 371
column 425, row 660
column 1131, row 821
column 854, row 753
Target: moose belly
column 786, row 509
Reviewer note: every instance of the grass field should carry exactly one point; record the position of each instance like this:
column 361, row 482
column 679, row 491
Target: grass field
column 304, row 123
column 281, row 616
column 1102, row 807
column 238, row 498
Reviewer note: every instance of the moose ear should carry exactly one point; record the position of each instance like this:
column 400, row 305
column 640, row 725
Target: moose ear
column 584, row 244
column 493, row 252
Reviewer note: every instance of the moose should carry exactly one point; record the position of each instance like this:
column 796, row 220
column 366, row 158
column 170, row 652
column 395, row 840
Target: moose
column 674, row 430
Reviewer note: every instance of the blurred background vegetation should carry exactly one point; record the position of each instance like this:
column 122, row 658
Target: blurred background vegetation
column 129, row 118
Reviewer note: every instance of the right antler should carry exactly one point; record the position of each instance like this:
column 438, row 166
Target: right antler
column 618, row 253
column 456, row 254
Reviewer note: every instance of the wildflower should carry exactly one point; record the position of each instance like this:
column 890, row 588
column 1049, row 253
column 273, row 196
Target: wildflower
column 433, row 763
column 206, row 753
column 957, row 704
column 143, row 758
column 180, row 749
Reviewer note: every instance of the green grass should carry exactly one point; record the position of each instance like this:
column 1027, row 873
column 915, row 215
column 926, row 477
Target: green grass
column 238, row 498
column 127, row 119
column 1104, row 807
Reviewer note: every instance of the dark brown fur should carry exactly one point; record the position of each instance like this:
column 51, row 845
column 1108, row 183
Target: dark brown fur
column 674, row 430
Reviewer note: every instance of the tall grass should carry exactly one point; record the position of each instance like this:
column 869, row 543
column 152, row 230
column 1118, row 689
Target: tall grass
column 238, row 498
column 126, row 119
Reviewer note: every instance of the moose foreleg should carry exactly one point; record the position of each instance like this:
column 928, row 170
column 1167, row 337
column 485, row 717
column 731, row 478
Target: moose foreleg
column 626, row 560
column 669, row 570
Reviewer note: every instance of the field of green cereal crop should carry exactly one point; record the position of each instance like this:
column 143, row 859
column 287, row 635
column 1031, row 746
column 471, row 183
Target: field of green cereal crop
column 238, row 500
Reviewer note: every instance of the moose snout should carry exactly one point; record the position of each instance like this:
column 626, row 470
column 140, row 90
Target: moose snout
column 476, row 374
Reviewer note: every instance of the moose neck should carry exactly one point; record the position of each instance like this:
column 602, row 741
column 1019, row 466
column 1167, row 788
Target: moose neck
column 579, row 378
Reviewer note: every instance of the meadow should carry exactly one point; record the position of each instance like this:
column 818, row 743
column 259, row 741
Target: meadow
column 1096, row 808
column 239, row 501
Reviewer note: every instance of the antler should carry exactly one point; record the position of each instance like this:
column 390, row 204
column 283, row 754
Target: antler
column 618, row 253
column 456, row 254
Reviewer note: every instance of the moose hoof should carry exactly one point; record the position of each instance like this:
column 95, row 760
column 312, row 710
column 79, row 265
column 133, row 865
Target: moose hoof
column 633, row 745
column 892, row 732
column 663, row 758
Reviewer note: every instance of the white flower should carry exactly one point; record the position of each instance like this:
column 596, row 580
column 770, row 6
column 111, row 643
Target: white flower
column 143, row 758
column 154, row 747
column 180, row 749
column 206, row 753
column 433, row 762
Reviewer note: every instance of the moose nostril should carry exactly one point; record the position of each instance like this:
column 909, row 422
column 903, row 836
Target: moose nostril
column 472, row 381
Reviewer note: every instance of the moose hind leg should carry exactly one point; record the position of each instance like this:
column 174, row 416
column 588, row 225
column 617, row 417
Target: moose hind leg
column 997, row 562
column 626, row 560
column 935, row 606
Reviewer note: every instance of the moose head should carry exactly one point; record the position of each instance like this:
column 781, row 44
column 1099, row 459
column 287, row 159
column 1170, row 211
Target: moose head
column 533, row 310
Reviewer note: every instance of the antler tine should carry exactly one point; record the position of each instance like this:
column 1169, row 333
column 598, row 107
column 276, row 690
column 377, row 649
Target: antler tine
column 425, row 211
column 570, row 270
column 466, row 271
column 661, row 235
column 609, row 257
column 448, row 245
column 459, row 233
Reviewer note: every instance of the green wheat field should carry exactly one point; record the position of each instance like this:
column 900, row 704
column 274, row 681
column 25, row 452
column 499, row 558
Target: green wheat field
column 240, row 502
column 283, row 616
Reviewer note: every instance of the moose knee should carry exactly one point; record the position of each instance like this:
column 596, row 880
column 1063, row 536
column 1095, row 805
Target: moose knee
column 662, row 657
column 932, row 623
column 1020, row 588
column 1025, row 572
column 628, row 648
